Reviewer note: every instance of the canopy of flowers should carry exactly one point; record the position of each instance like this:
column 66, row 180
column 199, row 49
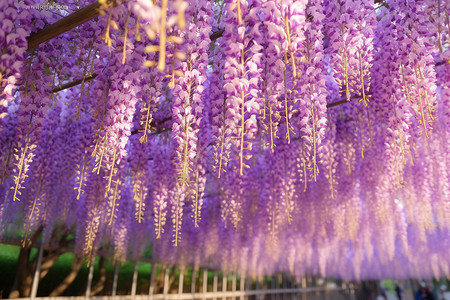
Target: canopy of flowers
column 307, row 136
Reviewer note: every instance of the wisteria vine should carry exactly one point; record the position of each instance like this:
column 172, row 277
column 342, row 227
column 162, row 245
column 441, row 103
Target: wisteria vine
column 307, row 136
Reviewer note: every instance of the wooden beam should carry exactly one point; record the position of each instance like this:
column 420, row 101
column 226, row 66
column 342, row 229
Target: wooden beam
column 337, row 103
column 215, row 35
column 65, row 24
column 73, row 83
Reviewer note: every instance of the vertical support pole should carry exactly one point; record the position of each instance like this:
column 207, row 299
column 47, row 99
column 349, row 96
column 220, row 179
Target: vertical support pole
column 315, row 285
column 265, row 286
column 90, row 276
column 194, row 279
column 352, row 291
column 277, row 285
column 37, row 273
column 152, row 280
column 205, row 283
column 294, row 285
column 233, row 285
column 242, row 285
column 413, row 285
column 273, row 286
column 115, row 278
column 224, row 286
column 303, row 287
column 166, row 282
column 215, row 285
column 284, row 285
column 134, row 284
column 181, row 281
column 249, row 283
column 258, row 287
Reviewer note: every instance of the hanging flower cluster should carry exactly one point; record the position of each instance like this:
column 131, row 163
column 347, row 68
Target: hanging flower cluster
column 304, row 136
column 13, row 43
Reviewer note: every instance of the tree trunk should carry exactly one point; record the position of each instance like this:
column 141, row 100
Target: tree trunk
column 77, row 263
column 21, row 269
column 24, row 275
column 26, row 268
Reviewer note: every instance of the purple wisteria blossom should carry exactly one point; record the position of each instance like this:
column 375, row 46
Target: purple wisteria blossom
column 13, row 32
column 256, row 136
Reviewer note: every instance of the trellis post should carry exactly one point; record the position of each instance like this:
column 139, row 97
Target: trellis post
column 37, row 273
column 116, row 276
column 181, row 281
column 215, row 285
column 242, row 285
column 233, row 286
column 224, row 286
column 90, row 276
column 135, row 277
column 258, row 287
column 326, row 296
column 194, row 279
column 166, row 282
column 205, row 283
column 295, row 284
column 303, row 287
column 249, row 282
column 152, row 280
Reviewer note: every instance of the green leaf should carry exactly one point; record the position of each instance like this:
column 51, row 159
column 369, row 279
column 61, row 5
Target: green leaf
column 47, row 70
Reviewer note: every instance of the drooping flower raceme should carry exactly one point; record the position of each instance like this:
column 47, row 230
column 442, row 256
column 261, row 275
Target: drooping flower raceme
column 350, row 25
column 13, row 33
column 32, row 113
column 241, row 79
column 312, row 91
